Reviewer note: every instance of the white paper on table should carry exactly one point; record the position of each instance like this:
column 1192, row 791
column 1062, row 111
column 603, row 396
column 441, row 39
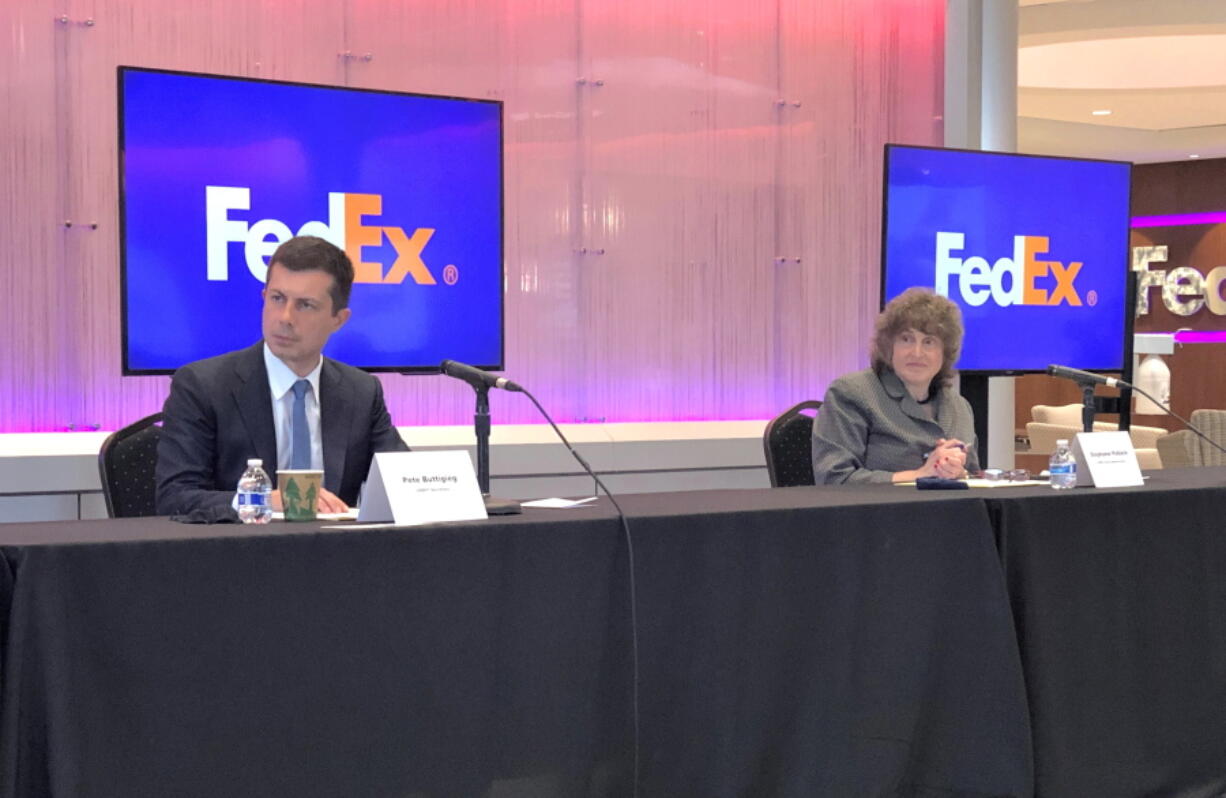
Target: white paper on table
column 1004, row 483
column 559, row 504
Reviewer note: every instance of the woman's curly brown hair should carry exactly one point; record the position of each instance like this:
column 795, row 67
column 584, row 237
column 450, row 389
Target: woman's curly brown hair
column 919, row 309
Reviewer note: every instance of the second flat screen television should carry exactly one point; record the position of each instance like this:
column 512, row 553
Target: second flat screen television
column 215, row 171
column 1033, row 249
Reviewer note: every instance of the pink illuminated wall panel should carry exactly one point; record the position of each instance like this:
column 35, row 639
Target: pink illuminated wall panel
column 692, row 187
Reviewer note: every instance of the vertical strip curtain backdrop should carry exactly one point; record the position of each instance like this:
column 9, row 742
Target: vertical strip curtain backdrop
column 692, row 188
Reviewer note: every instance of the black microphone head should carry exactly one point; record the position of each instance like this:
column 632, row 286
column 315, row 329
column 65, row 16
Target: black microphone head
column 478, row 378
column 463, row 371
column 1071, row 373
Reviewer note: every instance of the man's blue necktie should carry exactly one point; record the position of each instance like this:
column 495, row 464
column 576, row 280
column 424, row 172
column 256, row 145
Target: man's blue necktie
column 300, row 433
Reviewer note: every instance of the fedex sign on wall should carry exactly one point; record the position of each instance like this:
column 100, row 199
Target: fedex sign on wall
column 345, row 229
column 1023, row 279
column 217, row 172
column 1033, row 250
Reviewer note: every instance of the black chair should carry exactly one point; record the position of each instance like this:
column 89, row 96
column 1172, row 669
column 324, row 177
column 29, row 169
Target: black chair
column 126, row 463
column 789, row 446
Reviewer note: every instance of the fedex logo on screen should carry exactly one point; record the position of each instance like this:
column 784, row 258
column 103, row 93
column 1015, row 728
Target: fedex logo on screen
column 1031, row 281
column 345, row 228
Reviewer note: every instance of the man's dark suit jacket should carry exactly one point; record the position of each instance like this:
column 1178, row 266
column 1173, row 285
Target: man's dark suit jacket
column 219, row 414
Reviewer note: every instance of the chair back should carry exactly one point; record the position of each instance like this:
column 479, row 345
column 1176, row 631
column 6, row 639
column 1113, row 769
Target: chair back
column 1179, row 449
column 1065, row 415
column 1213, row 424
column 126, row 464
column 788, row 444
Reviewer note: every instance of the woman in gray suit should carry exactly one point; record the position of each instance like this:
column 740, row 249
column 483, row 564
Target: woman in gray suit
column 900, row 419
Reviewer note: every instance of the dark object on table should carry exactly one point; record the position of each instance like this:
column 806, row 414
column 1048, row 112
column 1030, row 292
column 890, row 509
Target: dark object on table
column 501, row 506
column 939, row 483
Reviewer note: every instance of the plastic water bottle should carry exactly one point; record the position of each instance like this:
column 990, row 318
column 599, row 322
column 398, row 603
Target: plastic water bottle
column 1062, row 467
column 255, row 494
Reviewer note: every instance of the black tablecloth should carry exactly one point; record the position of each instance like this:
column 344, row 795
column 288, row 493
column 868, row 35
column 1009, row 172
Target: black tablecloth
column 1119, row 598
column 840, row 650
column 791, row 643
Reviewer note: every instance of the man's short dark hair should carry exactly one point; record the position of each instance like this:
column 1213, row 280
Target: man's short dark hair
column 305, row 253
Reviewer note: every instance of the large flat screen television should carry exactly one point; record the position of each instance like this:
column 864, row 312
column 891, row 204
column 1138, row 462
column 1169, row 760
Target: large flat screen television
column 216, row 171
column 1033, row 249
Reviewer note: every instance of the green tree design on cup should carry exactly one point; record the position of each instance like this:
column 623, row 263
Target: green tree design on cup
column 300, row 493
column 293, row 499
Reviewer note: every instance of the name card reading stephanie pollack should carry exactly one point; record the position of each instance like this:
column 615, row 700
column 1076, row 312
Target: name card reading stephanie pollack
column 410, row 488
column 1106, row 460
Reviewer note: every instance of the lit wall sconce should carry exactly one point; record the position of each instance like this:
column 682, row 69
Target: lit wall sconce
column 1152, row 375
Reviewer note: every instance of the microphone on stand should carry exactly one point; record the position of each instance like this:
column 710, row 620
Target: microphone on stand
column 1085, row 377
column 476, row 377
column 1088, row 380
column 481, row 382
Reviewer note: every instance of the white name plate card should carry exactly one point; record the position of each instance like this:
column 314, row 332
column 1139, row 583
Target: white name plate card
column 411, row 488
column 1106, row 460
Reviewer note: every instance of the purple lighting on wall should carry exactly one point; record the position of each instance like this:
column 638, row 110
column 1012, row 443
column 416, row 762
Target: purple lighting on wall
column 1180, row 219
column 1200, row 337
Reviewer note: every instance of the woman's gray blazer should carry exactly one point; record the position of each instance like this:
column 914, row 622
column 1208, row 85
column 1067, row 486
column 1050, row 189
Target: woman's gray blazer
column 868, row 427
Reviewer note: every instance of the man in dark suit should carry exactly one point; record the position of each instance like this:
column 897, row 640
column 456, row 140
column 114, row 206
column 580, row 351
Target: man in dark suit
column 279, row 400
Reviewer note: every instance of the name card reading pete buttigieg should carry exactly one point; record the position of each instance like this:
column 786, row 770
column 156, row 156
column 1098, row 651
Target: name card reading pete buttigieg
column 411, row 488
column 1106, row 460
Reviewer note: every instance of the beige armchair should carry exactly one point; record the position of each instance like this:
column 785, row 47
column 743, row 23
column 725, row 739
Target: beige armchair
column 1054, row 422
column 1185, row 448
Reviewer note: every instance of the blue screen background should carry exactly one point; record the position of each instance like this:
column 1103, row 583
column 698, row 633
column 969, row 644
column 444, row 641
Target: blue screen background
column 1081, row 206
column 437, row 162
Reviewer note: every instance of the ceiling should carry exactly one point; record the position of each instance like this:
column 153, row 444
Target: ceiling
column 1158, row 66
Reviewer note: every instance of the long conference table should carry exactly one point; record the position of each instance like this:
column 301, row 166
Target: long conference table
column 853, row 641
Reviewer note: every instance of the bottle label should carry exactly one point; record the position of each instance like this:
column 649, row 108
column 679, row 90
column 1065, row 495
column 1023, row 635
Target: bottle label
column 1062, row 468
column 251, row 500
